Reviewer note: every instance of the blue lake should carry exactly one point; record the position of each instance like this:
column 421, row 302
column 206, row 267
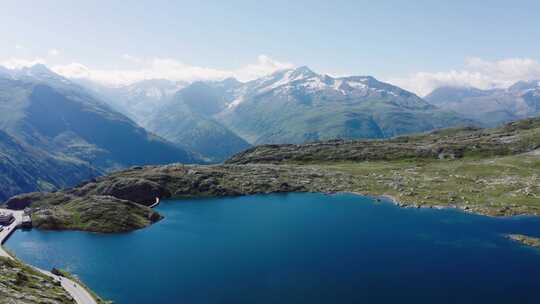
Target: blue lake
column 299, row 248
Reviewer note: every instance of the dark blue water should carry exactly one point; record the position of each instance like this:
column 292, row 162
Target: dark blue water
column 299, row 248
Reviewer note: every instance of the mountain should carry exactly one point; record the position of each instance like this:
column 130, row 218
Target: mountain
column 299, row 105
column 486, row 171
column 490, row 107
column 219, row 118
column 59, row 127
column 139, row 100
column 187, row 120
column 24, row 168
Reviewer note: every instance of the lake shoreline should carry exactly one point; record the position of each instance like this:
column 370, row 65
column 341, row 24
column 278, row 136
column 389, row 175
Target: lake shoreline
column 77, row 290
column 344, row 225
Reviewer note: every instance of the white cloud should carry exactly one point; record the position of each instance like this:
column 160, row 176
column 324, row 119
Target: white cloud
column 264, row 66
column 18, row 63
column 479, row 73
column 19, row 47
column 54, row 52
column 167, row 68
column 130, row 58
column 73, row 70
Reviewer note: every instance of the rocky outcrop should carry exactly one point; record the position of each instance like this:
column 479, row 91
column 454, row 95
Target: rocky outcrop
column 137, row 190
column 97, row 213
column 218, row 180
column 115, row 203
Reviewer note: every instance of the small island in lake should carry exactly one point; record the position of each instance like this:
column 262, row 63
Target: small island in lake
column 526, row 240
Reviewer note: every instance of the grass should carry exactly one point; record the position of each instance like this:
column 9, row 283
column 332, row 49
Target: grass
column 21, row 283
column 507, row 185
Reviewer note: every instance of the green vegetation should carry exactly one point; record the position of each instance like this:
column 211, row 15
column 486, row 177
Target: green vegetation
column 298, row 106
column 508, row 185
column 22, row 284
column 197, row 133
column 54, row 134
column 187, row 120
column 487, row 171
column 453, row 143
column 95, row 213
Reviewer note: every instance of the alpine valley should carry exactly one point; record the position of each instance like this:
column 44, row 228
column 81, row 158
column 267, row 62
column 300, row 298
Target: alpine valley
column 55, row 133
column 72, row 161
column 219, row 118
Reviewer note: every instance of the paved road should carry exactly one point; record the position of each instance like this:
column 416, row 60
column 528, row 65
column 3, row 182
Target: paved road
column 8, row 230
column 81, row 295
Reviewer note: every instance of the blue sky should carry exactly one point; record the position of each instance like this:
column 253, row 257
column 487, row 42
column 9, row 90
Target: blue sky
column 391, row 40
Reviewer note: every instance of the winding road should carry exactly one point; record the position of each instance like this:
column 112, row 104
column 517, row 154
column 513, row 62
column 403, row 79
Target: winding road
column 79, row 293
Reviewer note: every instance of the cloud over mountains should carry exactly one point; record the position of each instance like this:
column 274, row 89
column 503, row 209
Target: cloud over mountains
column 155, row 68
column 477, row 72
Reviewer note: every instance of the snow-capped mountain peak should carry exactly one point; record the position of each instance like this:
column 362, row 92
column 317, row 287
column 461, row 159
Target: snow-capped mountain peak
column 302, row 81
column 37, row 72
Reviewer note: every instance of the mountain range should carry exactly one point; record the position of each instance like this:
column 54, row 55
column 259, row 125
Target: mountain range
column 55, row 133
column 219, row 118
column 137, row 101
column 299, row 105
column 490, row 107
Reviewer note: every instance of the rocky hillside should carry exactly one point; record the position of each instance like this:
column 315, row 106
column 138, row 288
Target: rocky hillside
column 118, row 201
column 487, row 171
column 513, row 138
column 21, row 284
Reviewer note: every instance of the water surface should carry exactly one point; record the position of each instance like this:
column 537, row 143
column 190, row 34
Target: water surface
column 299, row 248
